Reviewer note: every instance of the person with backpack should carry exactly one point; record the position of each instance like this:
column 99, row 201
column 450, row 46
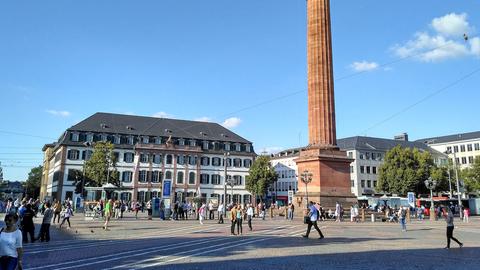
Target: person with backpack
column 45, row 228
column 27, row 224
column 402, row 215
column 11, row 250
column 312, row 221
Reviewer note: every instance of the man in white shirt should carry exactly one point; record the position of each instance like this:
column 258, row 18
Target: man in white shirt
column 220, row 210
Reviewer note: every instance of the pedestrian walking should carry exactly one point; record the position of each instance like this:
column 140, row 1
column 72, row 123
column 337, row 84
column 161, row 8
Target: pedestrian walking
column 402, row 215
column 312, row 221
column 239, row 219
column 27, row 224
column 57, row 209
column 249, row 216
column 108, row 214
column 450, row 227
column 220, row 210
column 149, row 209
column 202, row 213
column 338, row 210
column 66, row 216
column 136, row 209
column 45, row 228
column 211, row 211
column 233, row 218
column 466, row 214
column 116, row 206
column 11, row 250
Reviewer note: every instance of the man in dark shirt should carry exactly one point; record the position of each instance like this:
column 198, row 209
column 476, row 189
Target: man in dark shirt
column 27, row 224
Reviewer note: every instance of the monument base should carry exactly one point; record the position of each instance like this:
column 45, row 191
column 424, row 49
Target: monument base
column 329, row 171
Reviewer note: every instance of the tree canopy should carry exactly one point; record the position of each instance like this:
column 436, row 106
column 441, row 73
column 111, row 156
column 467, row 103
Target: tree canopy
column 98, row 166
column 406, row 169
column 32, row 184
column 260, row 176
column 471, row 177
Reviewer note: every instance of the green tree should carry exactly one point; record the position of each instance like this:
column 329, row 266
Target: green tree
column 32, row 184
column 101, row 166
column 260, row 176
column 471, row 177
column 406, row 169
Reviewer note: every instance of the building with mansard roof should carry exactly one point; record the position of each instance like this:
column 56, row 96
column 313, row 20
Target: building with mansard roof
column 149, row 151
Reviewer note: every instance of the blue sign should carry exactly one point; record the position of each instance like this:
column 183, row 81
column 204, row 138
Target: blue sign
column 166, row 188
column 411, row 199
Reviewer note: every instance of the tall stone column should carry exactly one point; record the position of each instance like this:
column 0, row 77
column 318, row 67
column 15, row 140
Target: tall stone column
column 328, row 167
column 321, row 104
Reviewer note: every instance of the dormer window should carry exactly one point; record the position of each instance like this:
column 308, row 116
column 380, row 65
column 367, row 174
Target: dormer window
column 103, row 137
column 181, row 142
column 74, row 137
column 168, row 131
column 227, row 146
column 248, row 148
column 145, row 139
column 158, row 140
column 129, row 128
column 116, row 139
column 205, row 145
column 203, row 134
column 130, row 140
column 103, row 126
column 193, row 143
column 89, row 137
column 237, row 147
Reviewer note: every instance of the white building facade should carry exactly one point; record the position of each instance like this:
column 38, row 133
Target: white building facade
column 284, row 165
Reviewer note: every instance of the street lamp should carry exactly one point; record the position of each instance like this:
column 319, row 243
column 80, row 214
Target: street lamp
column 449, row 151
column 306, row 178
column 225, row 155
column 431, row 184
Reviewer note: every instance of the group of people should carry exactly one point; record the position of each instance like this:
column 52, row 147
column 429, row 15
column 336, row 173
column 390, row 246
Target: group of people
column 238, row 213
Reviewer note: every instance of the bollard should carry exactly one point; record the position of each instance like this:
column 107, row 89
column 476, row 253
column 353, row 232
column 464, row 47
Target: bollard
column 373, row 217
column 363, row 215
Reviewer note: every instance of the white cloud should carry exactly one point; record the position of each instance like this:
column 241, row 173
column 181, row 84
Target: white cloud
column 204, row 119
column 231, row 122
column 445, row 43
column 162, row 115
column 453, row 25
column 475, row 46
column 364, row 66
column 59, row 113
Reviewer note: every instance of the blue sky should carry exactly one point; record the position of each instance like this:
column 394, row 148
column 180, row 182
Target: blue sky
column 241, row 63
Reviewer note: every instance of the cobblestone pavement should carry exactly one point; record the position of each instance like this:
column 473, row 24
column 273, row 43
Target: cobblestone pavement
column 273, row 244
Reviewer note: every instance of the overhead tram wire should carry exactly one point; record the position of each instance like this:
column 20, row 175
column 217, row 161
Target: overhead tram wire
column 452, row 84
column 266, row 101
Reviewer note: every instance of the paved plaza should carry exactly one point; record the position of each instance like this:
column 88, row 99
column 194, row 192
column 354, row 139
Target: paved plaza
column 273, row 244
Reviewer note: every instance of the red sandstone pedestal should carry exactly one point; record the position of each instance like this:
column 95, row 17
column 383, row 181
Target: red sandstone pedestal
column 330, row 183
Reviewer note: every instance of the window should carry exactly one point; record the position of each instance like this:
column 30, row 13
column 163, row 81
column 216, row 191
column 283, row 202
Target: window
column 180, row 178
column 205, row 145
column 156, row 176
column 361, row 155
column 449, row 148
column 227, row 147
column 350, row 154
column 374, row 156
column 128, row 157
column 116, row 156
column 368, row 169
column 248, row 148
column 379, row 156
column 367, row 155
column 238, row 147
column 215, row 179
column 180, row 159
column 457, row 160
column 237, row 180
column 157, row 140
column 229, row 162
column 477, row 146
column 142, row 176
column 157, row 159
column 181, row 142
column 193, row 143
column 191, row 178
column 369, row 183
column 464, row 160
column 89, row 137
column 247, row 163
column 205, row 161
column 352, row 183
column 141, row 196
column 144, row 158
column 351, row 169
column 216, row 161
column 374, row 170
column 362, row 169
column 74, row 137
column 145, row 139
column 73, row 154
column 192, row 160
column 363, row 184
column 116, row 139
column 127, row 176
column 204, row 178
column 374, row 183
column 455, row 149
column 237, row 162
column 168, row 175
column 470, row 160
column 103, row 137
column 462, row 148
column 74, row 175
column 87, row 154
column 469, row 147
column 169, row 159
